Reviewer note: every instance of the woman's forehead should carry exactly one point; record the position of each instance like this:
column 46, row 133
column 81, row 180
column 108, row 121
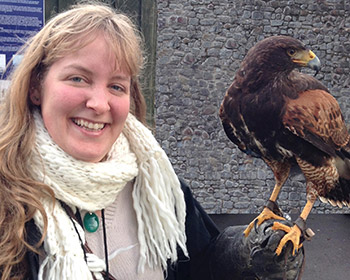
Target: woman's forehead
column 116, row 53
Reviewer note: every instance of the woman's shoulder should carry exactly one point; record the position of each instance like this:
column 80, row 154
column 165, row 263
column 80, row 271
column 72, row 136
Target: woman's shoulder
column 200, row 228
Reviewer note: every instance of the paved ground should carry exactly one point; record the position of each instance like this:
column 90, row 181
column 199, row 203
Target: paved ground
column 327, row 254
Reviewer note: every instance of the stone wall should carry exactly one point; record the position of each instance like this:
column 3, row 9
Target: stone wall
column 200, row 46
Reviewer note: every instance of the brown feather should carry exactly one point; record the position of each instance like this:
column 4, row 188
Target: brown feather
column 318, row 113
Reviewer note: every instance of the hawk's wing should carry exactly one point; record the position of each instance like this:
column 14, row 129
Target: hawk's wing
column 316, row 117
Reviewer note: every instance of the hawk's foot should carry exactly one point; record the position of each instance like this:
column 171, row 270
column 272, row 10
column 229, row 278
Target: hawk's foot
column 293, row 235
column 265, row 215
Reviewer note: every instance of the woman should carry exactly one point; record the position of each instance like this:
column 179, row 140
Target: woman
column 75, row 153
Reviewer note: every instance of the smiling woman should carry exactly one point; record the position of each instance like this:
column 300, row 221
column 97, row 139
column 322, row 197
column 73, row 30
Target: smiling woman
column 85, row 100
column 75, row 154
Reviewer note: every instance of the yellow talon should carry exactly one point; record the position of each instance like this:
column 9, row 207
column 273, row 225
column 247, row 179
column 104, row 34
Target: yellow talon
column 293, row 235
column 265, row 215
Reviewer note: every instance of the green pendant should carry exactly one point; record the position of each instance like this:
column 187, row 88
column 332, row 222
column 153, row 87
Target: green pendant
column 91, row 222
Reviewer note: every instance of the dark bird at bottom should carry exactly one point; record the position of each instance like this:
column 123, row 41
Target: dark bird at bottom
column 277, row 113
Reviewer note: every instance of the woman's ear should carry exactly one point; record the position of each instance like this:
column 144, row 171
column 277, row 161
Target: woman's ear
column 35, row 96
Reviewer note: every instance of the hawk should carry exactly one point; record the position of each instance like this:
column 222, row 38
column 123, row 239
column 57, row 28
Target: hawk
column 275, row 112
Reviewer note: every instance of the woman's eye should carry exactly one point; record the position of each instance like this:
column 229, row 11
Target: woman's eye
column 77, row 79
column 117, row 88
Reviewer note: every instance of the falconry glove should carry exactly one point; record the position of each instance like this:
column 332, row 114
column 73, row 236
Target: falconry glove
column 254, row 257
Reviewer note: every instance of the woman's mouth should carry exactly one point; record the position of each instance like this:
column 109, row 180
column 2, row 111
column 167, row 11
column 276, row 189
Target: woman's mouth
column 89, row 125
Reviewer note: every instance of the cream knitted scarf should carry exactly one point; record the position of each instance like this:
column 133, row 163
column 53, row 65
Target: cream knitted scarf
column 158, row 200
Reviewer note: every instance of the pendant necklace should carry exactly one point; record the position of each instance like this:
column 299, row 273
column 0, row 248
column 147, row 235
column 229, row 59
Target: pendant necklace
column 91, row 222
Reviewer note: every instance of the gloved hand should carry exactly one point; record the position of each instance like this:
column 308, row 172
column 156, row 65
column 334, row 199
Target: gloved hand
column 236, row 257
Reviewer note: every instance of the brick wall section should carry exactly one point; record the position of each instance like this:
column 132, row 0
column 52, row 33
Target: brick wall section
column 200, row 46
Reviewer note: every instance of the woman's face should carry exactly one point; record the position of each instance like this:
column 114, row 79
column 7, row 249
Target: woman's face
column 85, row 100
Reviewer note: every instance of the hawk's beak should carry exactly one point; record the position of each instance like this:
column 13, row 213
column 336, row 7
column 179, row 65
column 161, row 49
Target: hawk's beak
column 308, row 59
column 315, row 63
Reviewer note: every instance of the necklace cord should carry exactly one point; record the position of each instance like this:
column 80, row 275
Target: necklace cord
column 71, row 215
column 105, row 240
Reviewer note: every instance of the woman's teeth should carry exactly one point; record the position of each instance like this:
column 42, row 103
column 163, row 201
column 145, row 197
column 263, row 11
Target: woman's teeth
column 89, row 125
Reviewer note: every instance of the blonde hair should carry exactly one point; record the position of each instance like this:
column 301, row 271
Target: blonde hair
column 63, row 34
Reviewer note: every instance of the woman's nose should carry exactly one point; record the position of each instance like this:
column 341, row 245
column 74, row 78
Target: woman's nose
column 98, row 100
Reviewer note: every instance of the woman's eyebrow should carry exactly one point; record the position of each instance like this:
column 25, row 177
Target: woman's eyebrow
column 121, row 77
column 86, row 70
column 78, row 67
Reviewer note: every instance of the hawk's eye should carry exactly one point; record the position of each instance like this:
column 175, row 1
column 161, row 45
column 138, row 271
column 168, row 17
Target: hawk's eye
column 291, row 52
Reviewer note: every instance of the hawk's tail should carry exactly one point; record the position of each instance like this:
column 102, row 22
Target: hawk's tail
column 339, row 195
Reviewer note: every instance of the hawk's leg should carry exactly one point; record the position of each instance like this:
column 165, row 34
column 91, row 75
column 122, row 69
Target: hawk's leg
column 281, row 172
column 266, row 214
column 294, row 232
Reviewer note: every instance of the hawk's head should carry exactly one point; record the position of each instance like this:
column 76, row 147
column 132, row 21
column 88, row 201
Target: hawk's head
column 281, row 54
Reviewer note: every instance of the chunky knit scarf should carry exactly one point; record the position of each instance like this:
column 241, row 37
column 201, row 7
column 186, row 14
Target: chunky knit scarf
column 158, row 200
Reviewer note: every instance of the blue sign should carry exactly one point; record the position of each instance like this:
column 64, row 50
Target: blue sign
column 19, row 20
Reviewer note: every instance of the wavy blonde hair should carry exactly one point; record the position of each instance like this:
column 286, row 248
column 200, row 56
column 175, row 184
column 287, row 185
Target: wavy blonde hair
column 65, row 33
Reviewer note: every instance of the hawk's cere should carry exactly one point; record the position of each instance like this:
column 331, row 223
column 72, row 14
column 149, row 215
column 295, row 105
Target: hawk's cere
column 275, row 112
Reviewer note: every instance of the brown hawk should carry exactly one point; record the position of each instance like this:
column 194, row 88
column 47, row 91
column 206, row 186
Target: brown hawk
column 275, row 112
